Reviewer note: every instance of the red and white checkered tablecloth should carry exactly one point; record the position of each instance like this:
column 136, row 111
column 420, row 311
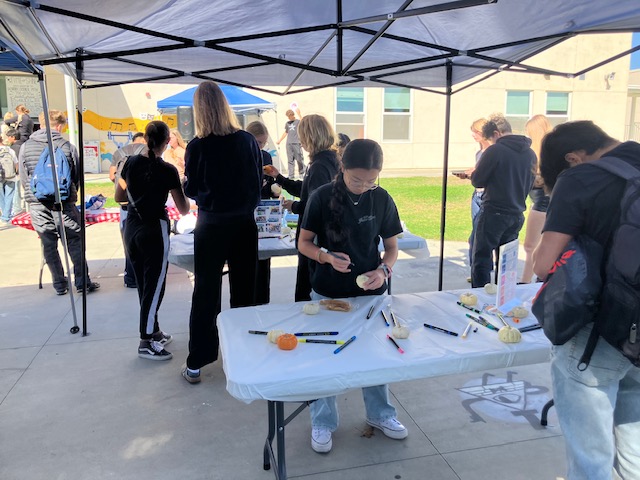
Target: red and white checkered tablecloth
column 111, row 215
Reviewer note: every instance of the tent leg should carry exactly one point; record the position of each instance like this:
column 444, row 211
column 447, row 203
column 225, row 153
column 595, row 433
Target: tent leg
column 445, row 169
column 58, row 203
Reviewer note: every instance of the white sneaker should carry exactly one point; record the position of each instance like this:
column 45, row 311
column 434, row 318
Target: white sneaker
column 391, row 427
column 321, row 440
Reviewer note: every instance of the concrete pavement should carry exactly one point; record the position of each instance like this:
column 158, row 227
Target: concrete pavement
column 74, row 407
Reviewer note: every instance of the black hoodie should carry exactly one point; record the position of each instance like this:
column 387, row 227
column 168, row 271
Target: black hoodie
column 506, row 171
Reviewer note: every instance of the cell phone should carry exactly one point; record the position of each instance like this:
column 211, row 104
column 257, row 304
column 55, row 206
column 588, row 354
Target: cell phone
column 458, row 173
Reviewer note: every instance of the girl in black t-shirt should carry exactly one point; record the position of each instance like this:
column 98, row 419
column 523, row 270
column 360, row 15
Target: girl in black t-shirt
column 145, row 183
column 340, row 232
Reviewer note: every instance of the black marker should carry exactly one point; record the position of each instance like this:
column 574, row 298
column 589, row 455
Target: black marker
column 433, row 327
column 370, row 311
column 537, row 326
column 468, row 307
column 313, row 334
column 482, row 322
column 335, row 255
column 384, row 315
column 258, row 332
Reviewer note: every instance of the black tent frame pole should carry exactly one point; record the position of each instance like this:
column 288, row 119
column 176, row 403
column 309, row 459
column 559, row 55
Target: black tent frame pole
column 80, row 166
column 57, row 209
column 445, row 170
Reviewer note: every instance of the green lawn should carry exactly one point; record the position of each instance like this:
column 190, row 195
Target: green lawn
column 418, row 200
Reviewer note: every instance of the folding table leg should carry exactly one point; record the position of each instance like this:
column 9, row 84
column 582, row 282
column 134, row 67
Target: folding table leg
column 276, row 429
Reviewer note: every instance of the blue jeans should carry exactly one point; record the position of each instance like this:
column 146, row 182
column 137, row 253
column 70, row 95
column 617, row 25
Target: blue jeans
column 476, row 203
column 598, row 409
column 7, row 189
column 324, row 411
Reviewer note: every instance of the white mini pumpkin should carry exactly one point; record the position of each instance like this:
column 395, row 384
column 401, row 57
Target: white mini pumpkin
column 311, row 308
column 276, row 189
column 491, row 288
column 468, row 298
column 400, row 331
column 509, row 335
column 519, row 312
column 361, row 280
column 274, row 334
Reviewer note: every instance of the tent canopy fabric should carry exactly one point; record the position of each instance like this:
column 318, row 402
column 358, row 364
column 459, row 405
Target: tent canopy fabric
column 11, row 62
column 239, row 100
column 418, row 44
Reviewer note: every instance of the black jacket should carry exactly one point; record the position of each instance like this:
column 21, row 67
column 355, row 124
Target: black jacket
column 506, row 171
column 224, row 176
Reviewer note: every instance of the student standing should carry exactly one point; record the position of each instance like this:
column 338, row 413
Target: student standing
column 318, row 138
column 145, row 182
column 224, row 177
column 294, row 145
column 348, row 217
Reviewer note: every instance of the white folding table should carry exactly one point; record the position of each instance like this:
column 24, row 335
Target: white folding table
column 257, row 370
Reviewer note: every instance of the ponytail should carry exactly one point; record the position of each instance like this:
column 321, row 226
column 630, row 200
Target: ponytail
column 337, row 230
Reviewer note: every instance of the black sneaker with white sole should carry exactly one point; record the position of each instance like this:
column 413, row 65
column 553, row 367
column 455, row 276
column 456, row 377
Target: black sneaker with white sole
column 152, row 350
column 163, row 338
column 91, row 287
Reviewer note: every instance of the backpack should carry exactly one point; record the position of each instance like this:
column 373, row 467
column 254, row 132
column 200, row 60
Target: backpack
column 42, row 184
column 619, row 315
column 7, row 167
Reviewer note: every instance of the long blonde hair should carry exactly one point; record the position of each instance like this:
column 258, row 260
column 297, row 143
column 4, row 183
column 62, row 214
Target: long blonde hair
column 212, row 111
column 536, row 128
column 316, row 134
column 179, row 138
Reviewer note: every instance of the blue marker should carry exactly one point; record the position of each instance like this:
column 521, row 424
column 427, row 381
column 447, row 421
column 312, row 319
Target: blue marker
column 337, row 350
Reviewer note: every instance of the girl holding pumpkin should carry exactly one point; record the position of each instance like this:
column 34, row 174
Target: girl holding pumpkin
column 348, row 217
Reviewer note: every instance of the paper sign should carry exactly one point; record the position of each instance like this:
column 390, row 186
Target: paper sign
column 268, row 215
column 91, row 150
column 507, row 277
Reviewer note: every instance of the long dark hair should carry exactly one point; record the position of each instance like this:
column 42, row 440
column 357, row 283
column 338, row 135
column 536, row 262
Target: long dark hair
column 155, row 134
column 360, row 153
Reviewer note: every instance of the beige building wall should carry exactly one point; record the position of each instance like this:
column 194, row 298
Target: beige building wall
column 593, row 96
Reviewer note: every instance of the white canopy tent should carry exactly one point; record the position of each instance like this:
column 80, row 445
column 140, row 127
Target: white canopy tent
column 281, row 47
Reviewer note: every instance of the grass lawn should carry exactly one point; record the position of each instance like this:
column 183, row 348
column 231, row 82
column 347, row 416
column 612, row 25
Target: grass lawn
column 418, row 200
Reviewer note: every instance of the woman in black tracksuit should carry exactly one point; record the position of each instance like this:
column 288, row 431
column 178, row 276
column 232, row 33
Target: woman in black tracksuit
column 318, row 138
column 145, row 183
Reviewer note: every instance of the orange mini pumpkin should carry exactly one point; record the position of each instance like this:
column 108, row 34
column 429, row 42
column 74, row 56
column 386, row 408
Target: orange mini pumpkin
column 287, row 341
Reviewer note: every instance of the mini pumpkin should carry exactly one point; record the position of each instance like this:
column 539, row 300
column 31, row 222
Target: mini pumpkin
column 468, row 298
column 509, row 335
column 311, row 308
column 361, row 280
column 287, row 341
column 491, row 288
column 400, row 331
column 276, row 189
column 273, row 335
column 519, row 312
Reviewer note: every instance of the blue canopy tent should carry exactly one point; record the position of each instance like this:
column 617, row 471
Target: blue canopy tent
column 11, row 62
column 241, row 101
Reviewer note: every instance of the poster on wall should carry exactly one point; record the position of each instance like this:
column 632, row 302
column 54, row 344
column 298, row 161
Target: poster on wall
column 268, row 215
column 26, row 91
column 91, row 149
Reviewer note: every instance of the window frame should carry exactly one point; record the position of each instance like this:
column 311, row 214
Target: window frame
column 408, row 114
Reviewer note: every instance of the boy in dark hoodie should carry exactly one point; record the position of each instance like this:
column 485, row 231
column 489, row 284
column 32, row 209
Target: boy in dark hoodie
column 506, row 171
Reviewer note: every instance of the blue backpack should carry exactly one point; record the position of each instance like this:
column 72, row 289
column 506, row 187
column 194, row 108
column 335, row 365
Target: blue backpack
column 42, row 184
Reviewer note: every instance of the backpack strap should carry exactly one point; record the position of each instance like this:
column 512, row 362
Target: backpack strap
column 618, row 167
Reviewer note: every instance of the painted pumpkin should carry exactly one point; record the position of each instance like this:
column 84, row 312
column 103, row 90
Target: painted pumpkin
column 287, row 341
column 400, row 332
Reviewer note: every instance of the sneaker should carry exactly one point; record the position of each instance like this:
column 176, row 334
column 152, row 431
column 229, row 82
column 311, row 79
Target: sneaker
column 321, row 440
column 152, row 350
column 162, row 338
column 91, row 287
column 130, row 285
column 62, row 291
column 391, row 427
column 190, row 376
column 468, row 279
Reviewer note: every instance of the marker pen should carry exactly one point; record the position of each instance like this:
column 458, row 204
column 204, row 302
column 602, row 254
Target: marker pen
column 258, row 332
column 314, row 334
column 468, row 307
column 317, row 340
column 394, row 342
column 344, row 345
column 438, row 329
column 384, row 315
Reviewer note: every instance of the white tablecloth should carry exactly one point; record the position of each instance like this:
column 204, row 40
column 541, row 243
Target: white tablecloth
column 181, row 248
column 256, row 369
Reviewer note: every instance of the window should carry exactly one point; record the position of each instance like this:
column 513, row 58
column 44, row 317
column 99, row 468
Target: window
column 396, row 119
column 350, row 111
column 557, row 109
column 518, row 109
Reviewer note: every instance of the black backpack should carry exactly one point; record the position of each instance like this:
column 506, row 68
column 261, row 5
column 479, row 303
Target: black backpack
column 618, row 318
